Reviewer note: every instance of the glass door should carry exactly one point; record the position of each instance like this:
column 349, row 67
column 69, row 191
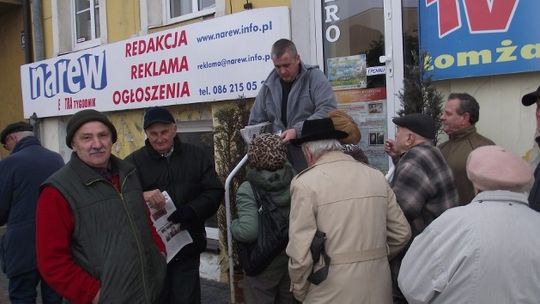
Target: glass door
column 362, row 55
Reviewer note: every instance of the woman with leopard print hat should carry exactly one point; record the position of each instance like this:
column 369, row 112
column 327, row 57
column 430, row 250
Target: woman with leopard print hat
column 270, row 174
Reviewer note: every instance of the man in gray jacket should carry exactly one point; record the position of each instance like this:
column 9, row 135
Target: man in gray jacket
column 292, row 93
column 483, row 252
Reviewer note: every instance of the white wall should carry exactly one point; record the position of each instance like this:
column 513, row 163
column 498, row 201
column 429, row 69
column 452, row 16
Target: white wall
column 53, row 135
column 502, row 116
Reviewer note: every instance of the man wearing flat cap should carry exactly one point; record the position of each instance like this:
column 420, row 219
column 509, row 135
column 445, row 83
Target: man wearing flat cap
column 485, row 252
column 21, row 174
column 187, row 173
column 422, row 180
column 95, row 241
column 353, row 205
column 528, row 100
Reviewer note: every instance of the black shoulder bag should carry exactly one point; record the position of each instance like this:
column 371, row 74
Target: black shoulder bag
column 272, row 236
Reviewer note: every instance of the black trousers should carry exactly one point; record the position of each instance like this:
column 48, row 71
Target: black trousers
column 183, row 283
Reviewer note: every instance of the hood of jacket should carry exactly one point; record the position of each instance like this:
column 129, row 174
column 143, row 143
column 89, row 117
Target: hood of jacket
column 275, row 183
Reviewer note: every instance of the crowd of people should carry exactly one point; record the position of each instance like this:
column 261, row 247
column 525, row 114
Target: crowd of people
column 452, row 224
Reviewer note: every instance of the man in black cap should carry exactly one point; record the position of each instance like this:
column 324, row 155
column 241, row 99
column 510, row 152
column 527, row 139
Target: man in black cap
column 354, row 206
column 534, row 195
column 28, row 165
column 187, row 173
column 95, row 241
column 422, row 181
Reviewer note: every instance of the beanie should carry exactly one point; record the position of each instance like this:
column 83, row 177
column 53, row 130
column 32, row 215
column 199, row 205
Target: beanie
column 343, row 122
column 84, row 116
column 267, row 152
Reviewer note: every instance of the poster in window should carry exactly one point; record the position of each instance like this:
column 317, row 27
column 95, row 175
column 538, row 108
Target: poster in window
column 371, row 119
column 347, row 72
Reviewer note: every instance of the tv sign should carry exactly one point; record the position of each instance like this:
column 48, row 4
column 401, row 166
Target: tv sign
column 469, row 38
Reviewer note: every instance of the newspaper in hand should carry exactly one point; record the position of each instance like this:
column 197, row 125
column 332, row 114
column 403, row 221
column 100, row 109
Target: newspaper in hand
column 251, row 131
column 172, row 236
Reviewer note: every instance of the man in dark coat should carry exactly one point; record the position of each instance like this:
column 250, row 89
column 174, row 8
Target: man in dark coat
column 22, row 172
column 189, row 177
column 534, row 195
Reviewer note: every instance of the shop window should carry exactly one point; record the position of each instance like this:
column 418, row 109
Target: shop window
column 86, row 23
column 179, row 10
column 353, row 46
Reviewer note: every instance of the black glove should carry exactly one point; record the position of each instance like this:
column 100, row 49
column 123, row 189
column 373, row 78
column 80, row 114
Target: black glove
column 182, row 214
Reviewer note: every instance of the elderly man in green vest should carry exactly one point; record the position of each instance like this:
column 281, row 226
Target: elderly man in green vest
column 95, row 242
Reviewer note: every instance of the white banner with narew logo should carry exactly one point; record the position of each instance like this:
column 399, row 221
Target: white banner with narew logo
column 220, row 59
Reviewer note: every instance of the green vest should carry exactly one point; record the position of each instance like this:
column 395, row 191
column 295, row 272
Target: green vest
column 112, row 240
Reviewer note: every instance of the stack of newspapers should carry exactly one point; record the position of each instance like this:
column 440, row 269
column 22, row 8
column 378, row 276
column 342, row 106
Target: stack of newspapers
column 251, row 131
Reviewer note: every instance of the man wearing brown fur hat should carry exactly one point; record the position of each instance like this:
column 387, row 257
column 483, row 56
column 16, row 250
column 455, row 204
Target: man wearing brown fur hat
column 484, row 252
column 344, row 122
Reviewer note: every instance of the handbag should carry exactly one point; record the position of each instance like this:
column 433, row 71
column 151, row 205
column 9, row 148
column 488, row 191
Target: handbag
column 272, row 236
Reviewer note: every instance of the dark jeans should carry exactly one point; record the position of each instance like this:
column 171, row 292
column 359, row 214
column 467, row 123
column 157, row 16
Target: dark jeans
column 183, row 284
column 22, row 289
column 271, row 288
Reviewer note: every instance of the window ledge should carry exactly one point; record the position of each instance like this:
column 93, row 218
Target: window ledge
column 203, row 13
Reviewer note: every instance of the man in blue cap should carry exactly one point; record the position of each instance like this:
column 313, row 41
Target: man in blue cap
column 187, row 173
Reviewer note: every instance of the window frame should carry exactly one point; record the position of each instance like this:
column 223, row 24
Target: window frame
column 195, row 13
column 94, row 41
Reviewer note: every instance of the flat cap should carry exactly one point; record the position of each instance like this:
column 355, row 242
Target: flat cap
column 14, row 127
column 421, row 124
column 531, row 98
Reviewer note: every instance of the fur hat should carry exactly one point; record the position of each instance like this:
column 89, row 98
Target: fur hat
column 84, row 116
column 14, row 127
column 494, row 168
column 157, row 115
column 421, row 124
column 343, row 122
column 267, row 152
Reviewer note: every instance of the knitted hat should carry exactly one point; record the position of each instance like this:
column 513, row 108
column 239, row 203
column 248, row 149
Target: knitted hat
column 343, row 122
column 84, row 116
column 421, row 124
column 12, row 128
column 157, row 115
column 494, row 168
column 267, row 152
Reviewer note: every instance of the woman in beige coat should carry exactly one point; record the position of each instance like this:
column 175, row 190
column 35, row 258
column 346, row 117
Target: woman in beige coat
column 353, row 204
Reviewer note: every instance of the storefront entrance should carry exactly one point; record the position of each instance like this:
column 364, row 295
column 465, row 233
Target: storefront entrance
column 363, row 45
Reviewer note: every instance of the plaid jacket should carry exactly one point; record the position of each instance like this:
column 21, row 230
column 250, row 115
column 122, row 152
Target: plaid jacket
column 424, row 186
